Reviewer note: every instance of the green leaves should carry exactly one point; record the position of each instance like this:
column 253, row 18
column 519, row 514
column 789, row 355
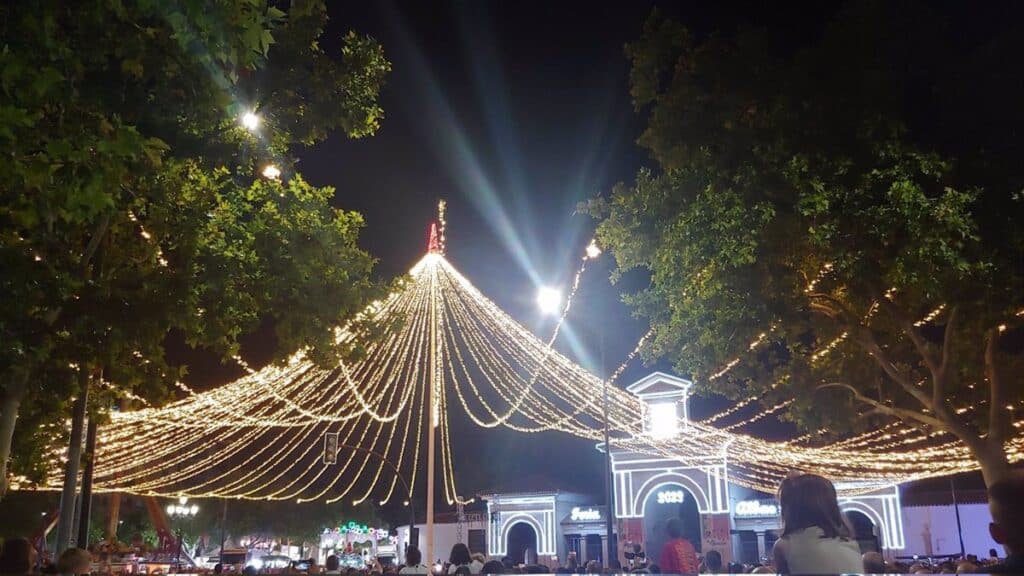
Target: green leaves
column 791, row 197
column 130, row 206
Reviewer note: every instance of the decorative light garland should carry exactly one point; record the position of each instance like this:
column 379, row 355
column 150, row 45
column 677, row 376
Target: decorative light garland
column 261, row 437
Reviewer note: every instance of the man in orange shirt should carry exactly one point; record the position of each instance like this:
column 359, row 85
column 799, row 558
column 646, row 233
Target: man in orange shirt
column 677, row 555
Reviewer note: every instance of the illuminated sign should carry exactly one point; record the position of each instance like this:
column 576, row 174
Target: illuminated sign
column 756, row 509
column 584, row 514
column 671, row 497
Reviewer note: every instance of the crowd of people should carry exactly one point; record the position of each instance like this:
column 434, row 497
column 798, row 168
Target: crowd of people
column 816, row 539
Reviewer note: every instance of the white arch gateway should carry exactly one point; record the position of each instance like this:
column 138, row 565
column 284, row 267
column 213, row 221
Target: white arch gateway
column 641, row 470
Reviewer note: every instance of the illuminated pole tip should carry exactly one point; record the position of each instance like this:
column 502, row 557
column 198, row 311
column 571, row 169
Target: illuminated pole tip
column 593, row 250
column 271, row 172
column 251, row 121
column 549, row 300
column 433, row 242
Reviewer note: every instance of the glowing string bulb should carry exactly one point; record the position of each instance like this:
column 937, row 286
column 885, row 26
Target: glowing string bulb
column 593, row 250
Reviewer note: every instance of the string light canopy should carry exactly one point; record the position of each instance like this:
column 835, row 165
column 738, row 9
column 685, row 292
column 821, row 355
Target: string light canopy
column 278, row 433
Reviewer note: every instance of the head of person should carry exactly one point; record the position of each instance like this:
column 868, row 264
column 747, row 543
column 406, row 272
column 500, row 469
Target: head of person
column 967, row 567
column 332, row 563
column 493, row 567
column 74, row 561
column 413, row 557
column 218, row 568
column 1006, row 502
column 809, row 500
column 460, row 555
column 249, row 570
column 17, row 556
column 713, row 561
column 873, row 563
column 478, row 557
column 674, row 528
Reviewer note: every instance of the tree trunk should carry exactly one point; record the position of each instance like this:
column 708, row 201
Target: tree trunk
column 10, row 403
column 993, row 462
column 67, row 500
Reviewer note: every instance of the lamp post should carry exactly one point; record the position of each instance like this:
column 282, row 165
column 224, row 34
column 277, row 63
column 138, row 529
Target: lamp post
column 609, row 480
column 181, row 510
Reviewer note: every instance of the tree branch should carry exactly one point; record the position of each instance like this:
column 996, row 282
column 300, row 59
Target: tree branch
column 997, row 413
column 901, row 413
column 947, row 339
column 867, row 341
column 922, row 346
column 97, row 236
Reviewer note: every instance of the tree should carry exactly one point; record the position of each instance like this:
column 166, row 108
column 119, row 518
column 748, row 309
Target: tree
column 131, row 203
column 826, row 198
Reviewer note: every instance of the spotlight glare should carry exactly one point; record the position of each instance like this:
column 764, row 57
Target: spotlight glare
column 271, row 172
column 593, row 250
column 549, row 300
column 251, row 121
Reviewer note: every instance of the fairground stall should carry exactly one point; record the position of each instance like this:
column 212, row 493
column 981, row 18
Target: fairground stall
column 357, row 545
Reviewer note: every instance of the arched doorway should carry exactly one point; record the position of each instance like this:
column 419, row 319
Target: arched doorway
column 665, row 502
column 521, row 537
column 864, row 530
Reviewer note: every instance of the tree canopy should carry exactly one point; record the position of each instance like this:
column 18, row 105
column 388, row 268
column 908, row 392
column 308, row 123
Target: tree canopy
column 841, row 216
column 131, row 202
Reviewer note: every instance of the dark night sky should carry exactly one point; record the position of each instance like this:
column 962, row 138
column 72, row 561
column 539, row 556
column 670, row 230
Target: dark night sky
column 513, row 112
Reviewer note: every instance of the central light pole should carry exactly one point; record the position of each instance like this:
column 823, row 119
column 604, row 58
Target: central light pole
column 432, row 398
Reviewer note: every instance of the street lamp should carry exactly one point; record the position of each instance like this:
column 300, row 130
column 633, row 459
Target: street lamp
column 251, row 121
column 271, row 172
column 549, row 300
column 181, row 510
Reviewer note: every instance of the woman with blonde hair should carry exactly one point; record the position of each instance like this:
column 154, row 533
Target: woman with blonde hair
column 816, row 538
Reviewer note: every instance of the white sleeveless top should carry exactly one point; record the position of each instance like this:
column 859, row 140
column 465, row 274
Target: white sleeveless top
column 808, row 552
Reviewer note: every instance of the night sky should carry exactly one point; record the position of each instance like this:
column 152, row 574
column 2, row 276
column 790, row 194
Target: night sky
column 513, row 112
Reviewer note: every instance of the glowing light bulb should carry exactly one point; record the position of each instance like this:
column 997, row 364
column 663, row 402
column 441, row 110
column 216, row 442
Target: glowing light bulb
column 593, row 250
column 251, row 121
column 549, row 300
column 271, row 172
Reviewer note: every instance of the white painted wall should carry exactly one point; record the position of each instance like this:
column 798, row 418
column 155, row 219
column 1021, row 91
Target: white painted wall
column 445, row 536
column 937, row 524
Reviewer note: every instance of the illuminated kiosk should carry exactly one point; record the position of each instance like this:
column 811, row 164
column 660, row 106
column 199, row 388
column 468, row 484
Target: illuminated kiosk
column 740, row 524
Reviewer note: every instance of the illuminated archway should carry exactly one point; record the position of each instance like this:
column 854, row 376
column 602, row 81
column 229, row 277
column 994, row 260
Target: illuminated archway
column 872, row 515
column 656, row 482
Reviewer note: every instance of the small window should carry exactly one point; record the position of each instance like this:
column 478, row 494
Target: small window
column 664, row 420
